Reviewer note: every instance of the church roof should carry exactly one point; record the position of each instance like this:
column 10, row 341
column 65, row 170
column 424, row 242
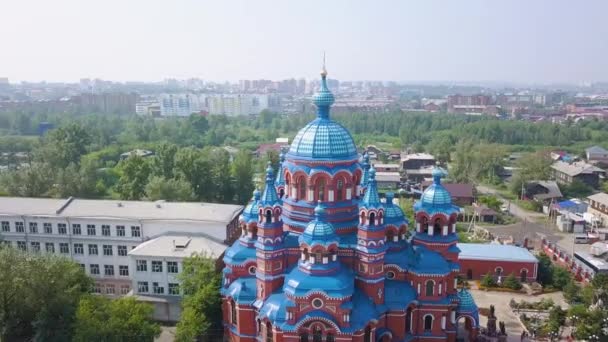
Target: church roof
column 242, row 290
column 336, row 285
column 238, row 253
column 250, row 213
column 280, row 178
column 323, row 138
column 319, row 231
column 393, row 213
column 371, row 199
column 269, row 196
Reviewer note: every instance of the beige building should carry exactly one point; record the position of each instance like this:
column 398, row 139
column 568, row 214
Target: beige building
column 598, row 208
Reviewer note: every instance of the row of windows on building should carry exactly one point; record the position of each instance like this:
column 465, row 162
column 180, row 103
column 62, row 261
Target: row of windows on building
column 108, row 270
column 110, row 289
column 172, row 288
column 62, row 229
column 64, row 248
column 156, row 266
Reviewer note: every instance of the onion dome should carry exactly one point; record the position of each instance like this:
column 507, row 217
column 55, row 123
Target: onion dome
column 323, row 138
column 319, row 231
column 250, row 213
column 280, row 179
column 393, row 213
column 467, row 306
column 269, row 196
column 436, row 198
column 371, row 199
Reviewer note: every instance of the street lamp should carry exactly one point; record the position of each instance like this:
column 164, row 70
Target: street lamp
column 594, row 337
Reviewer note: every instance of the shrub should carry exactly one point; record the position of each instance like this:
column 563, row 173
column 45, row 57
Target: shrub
column 488, row 281
column 511, row 282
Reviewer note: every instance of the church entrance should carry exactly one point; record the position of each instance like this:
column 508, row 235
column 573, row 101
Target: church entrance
column 464, row 329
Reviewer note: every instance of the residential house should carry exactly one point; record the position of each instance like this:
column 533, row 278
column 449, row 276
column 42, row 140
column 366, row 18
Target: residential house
column 566, row 173
column 462, row 193
column 598, row 208
column 597, row 154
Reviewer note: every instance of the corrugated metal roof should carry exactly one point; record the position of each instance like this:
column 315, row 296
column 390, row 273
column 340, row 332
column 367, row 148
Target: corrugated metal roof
column 488, row 251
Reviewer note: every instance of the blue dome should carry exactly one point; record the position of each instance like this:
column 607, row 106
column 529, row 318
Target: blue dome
column 319, row 231
column 323, row 138
column 467, row 303
column 393, row 213
column 436, row 194
column 250, row 213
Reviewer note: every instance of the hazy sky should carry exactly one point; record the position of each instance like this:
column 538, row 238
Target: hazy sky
column 459, row 40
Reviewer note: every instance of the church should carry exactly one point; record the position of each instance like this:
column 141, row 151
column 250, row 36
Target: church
column 322, row 257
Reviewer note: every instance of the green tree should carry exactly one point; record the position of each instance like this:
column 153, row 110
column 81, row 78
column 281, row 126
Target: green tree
column 491, row 202
column 124, row 319
column 201, row 306
column 163, row 162
column 32, row 180
column 193, row 166
column 576, row 189
column 488, row 280
column 545, row 269
column 134, row 174
column 64, row 146
column 39, row 294
column 242, row 172
column 199, row 123
column 159, row 188
column 561, row 277
column 512, row 282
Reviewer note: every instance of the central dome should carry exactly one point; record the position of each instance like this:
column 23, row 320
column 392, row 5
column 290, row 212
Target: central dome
column 323, row 138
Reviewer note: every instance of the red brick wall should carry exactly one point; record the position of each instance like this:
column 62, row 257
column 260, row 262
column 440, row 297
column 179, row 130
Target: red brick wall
column 480, row 267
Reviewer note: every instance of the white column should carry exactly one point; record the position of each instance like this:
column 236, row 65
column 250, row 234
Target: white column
column 311, row 195
column 440, row 288
column 358, row 189
column 418, row 227
column 431, row 229
column 455, row 283
column 418, row 288
column 330, row 195
column 334, row 257
column 411, row 321
column 349, row 193
column 445, row 230
column 294, row 193
column 453, row 316
column 443, row 322
column 303, row 257
column 396, row 238
column 325, row 260
column 311, row 259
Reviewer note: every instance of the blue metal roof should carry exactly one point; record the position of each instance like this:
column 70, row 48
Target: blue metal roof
column 393, row 213
column 242, row 290
column 339, row 284
column 250, row 213
column 269, row 196
column 323, row 138
column 237, row 254
column 280, row 179
column 436, row 194
column 399, row 294
column 429, row 262
column 319, row 231
column 371, row 199
column 490, row 251
column 365, row 166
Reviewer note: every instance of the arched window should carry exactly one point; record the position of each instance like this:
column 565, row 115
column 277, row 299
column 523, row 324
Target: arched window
column 368, row 335
column 268, row 332
column 362, row 218
column 437, row 226
column 254, row 232
column 268, row 216
column 389, row 235
column 244, row 228
column 305, row 253
column 339, row 190
column 317, row 334
column 304, row 337
column 372, row 219
column 232, row 312
column 428, row 322
column 470, row 274
column 321, row 189
column 498, row 271
column 425, row 225
column 259, row 327
column 330, row 338
column 281, row 192
column 302, row 188
column 430, row 287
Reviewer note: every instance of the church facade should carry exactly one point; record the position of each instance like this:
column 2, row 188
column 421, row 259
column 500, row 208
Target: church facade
column 322, row 257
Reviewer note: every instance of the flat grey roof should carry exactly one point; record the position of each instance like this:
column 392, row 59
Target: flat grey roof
column 143, row 210
column 31, row 206
column 179, row 246
column 189, row 211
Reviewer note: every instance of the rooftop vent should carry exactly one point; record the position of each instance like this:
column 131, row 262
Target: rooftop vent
column 119, row 204
column 181, row 243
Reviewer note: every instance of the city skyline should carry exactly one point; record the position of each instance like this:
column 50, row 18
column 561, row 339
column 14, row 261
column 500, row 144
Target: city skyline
column 473, row 41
